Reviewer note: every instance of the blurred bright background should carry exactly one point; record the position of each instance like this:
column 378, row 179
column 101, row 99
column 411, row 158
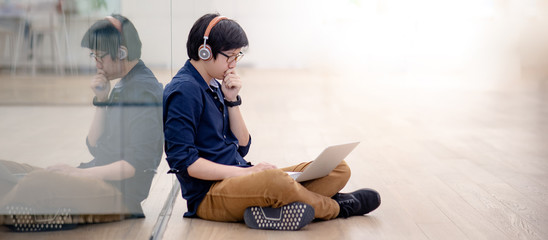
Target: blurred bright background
column 471, row 37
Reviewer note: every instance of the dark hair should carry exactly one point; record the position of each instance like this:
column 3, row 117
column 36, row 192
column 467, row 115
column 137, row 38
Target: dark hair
column 104, row 36
column 225, row 35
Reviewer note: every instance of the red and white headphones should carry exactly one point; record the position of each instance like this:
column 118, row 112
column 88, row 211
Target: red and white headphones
column 118, row 25
column 205, row 50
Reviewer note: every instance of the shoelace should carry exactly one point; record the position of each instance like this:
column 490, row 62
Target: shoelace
column 348, row 200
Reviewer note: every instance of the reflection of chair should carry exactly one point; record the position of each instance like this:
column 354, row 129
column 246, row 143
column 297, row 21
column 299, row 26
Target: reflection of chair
column 7, row 38
column 43, row 18
column 10, row 20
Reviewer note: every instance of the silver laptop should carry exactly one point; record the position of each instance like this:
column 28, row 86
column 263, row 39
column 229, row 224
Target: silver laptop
column 325, row 162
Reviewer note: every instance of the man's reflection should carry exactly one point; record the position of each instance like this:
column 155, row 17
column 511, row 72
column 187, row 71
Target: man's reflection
column 125, row 139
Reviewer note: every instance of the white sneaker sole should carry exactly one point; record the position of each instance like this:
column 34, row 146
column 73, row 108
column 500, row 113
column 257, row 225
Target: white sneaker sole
column 290, row 217
column 23, row 219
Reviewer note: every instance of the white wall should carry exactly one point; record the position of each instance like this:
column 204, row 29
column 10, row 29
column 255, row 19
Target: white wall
column 373, row 35
column 152, row 20
column 356, row 35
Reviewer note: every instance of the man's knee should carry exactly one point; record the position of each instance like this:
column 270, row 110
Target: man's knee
column 276, row 180
column 344, row 170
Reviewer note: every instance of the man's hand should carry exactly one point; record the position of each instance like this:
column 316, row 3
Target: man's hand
column 68, row 170
column 100, row 85
column 231, row 84
column 261, row 167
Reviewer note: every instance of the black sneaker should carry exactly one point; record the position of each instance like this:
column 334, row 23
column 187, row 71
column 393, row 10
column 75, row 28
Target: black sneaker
column 293, row 216
column 357, row 203
column 24, row 219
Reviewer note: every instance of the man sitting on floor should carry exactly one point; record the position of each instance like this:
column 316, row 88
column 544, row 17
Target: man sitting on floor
column 207, row 138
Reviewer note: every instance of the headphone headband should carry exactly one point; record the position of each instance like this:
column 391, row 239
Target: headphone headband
column 204, row 51
column 212, row 24
column 114, row 21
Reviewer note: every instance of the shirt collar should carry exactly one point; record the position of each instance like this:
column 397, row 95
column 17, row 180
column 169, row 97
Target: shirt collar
column 131, row 72
column 213, row 83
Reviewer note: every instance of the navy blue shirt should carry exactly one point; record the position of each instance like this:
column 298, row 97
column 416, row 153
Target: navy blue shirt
column 196, row 124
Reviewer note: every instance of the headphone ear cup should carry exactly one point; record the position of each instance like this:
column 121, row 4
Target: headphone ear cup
column 204, row 52
column 122, row 54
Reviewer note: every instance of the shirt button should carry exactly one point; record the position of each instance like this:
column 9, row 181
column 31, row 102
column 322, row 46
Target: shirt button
column 224, row 136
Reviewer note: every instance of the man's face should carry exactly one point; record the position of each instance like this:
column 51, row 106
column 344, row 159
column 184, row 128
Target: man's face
column 217, row 67
column 105, row 65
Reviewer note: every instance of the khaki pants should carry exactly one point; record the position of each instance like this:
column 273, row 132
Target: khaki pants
column 228, row 199
column 91, row 200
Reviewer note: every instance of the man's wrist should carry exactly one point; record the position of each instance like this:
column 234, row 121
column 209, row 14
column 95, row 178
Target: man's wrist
column 235, row 103
column 99, row 103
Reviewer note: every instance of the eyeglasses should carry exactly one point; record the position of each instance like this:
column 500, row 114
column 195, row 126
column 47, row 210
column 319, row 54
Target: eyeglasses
column 230, row 59
column 98, row 58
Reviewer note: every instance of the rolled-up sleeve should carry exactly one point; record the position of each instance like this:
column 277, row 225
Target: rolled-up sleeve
column 243, row 150
column 182, row 110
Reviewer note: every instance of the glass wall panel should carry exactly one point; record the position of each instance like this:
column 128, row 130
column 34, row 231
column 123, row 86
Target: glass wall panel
column 81, row 113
